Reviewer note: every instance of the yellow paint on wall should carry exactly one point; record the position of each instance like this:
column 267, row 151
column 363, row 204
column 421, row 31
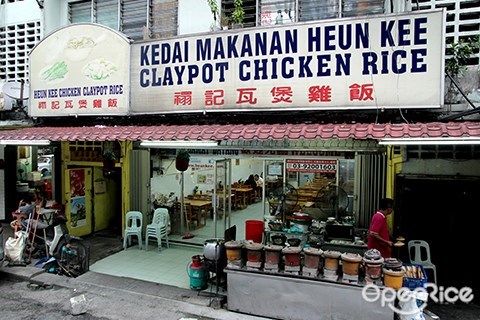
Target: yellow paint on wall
column 394, row 167
column 102, row 206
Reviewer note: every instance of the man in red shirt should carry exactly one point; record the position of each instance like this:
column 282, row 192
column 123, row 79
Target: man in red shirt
column 378, row 237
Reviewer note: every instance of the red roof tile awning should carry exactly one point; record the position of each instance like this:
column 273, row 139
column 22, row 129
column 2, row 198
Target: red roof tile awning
column 248, row 132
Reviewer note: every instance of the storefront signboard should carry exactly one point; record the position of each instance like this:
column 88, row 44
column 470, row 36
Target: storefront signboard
column 82, row 69
column 311, row 166
column 368, row 62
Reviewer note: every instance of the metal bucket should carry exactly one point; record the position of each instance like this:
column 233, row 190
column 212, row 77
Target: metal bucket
column 213, row 248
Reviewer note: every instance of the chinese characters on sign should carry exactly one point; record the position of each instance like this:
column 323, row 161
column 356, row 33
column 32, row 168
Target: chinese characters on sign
column 279, row 94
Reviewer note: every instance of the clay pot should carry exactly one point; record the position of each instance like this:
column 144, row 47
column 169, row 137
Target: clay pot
column 272, row 254
column 292, row 256
column 393, row 279
column 373, row 262
column 350, row 263
column 234, row 250
column 331, row 260
column 254, row 252
column 311, row 257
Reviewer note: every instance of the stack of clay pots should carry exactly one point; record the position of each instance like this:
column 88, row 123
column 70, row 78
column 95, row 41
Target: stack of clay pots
column 234, row 254
column 373, row 262
column 393, row 273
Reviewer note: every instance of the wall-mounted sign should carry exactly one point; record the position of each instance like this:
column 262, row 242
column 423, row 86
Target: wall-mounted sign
column 82, row 69
column 311, row 166
column 368, row 62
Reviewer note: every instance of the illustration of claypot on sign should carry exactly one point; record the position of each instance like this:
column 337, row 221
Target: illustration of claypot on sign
column 182, row 160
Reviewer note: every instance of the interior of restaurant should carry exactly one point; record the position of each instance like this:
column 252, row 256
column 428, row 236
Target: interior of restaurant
column 170, row 266
column 217, row 197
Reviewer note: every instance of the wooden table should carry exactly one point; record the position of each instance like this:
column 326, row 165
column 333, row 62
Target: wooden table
column 243, row 194
column 220, row 198
column 197, row 206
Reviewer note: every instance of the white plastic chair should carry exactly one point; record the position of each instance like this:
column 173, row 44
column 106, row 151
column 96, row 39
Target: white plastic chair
column 133, row 227
column 158, row 228
column 419, row 253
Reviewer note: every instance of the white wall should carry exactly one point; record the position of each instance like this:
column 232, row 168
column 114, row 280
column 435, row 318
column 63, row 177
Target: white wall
column 19, row 12
column 55, row 15
column 194, row 16
column 169, row 181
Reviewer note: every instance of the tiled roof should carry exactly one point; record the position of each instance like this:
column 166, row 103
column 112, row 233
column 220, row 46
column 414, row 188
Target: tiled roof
column 247, row 132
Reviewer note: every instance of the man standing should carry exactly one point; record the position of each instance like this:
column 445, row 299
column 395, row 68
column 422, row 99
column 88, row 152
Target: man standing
column 378, row 237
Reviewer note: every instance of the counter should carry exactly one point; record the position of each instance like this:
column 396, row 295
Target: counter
column 345, row 247
column 283, row 296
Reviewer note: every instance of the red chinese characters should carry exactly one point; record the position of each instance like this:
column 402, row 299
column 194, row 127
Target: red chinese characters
column 112, row 103
column 97, row 103
column 68, row 104
column 320, row 94
column 281, row 94
column 246, row 95
column 182, row 98
column 362, row 92
column 214, row 97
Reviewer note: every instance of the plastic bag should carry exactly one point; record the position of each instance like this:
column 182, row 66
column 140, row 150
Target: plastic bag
column 14, row 247
column 409, row 309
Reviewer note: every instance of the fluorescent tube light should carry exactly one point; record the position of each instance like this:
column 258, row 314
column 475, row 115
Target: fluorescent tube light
column 431, row 141
column 178, row 143
column 25, row 142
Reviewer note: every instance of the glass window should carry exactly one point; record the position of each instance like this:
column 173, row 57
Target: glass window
column 129, row 17
column 80, row 11
column 107, row 13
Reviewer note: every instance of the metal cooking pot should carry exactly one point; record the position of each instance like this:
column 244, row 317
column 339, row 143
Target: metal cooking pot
column 212, row 248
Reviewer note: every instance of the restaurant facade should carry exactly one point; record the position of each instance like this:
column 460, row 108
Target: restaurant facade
column 347, row 66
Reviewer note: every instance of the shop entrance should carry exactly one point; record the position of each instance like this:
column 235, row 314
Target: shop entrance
column 222, row 199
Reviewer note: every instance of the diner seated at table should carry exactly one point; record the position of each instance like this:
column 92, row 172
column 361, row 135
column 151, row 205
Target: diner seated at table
column 251, row 182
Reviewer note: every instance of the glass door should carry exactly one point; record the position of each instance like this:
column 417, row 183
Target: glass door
column 222, row 197
column 274, row 183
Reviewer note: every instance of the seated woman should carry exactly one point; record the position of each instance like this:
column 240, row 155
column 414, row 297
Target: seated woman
column 251, row 182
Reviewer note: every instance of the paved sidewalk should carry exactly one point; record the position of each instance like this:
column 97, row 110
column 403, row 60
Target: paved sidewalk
column 202, row 305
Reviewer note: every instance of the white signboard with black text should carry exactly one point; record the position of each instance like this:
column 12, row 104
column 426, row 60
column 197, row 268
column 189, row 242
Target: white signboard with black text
column 368, row 62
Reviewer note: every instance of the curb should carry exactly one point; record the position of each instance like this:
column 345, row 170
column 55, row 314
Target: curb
column 92, row 279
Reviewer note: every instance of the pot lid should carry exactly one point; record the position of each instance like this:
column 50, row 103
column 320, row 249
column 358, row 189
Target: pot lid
column 372, row 254
column 393, row 263
column 254, row 246
column 290, row 250
column 312, row 251
column 393, row 272
column 331, row 254
column 273, row 247
column 351, row 257
column 232, row 244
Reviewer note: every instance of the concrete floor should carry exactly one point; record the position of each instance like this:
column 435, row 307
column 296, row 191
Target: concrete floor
column 169, row 266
